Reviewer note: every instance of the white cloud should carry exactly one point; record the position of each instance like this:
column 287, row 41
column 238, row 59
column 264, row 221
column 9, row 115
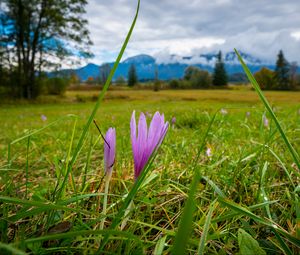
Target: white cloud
column 258, row 27
column 296, row 35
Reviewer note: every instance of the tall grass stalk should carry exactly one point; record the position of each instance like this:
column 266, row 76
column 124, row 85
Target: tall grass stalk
column 291, row 149
column 106, row 189
column 9, row 249
column 128, row 199
column 186, row 220
column 97, row 105
column 206, row 228
column 27, row 166
column 269, row 109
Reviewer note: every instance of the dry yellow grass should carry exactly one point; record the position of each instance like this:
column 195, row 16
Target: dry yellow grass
column 247, row 96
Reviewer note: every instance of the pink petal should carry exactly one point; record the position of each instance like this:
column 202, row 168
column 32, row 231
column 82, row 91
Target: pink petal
column 133, row 136
column 109, row 149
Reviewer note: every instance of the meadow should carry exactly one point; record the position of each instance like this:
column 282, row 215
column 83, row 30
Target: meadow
column 246, row 199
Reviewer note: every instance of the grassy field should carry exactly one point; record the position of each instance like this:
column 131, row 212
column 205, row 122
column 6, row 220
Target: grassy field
column 247, row 195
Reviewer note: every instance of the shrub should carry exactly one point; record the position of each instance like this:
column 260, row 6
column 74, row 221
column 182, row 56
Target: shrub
column 156, row 85
column 57, row 85
column 120, row 81
column 174, row 84
column 265, row 78
column 197, row 78
column 201, row 79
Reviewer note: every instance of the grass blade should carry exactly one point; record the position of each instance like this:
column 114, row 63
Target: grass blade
column 206, row 228
column 117, row 219
column 217, row 190
column 97, row 105
column 39, row 130
column 12, row 250
column 186, row 221
column 269, row 108
column 244, row 211
column 27, row 166
column 73, row 234
column 45, row 206
column 185, row 225
column 160, row 245
column 229, row 216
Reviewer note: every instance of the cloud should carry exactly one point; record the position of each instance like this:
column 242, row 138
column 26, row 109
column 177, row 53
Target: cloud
column 296, row 35
column 164, row 27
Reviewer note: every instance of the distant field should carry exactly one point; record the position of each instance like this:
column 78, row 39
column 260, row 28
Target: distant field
column 241, row 146
column 220, row 96
column 16, row 118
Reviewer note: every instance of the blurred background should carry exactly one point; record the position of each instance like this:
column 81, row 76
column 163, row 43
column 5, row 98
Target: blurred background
column 48, row 47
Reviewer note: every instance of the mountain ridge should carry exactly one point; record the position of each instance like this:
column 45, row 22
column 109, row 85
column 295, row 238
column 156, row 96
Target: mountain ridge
column 171, row 67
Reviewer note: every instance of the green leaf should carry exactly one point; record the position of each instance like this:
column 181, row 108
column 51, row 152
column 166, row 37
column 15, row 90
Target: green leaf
column 186, row 221
column 248, row 245
column 206, row 228
column 245, row 211
column 9, row 249
column 160, row 245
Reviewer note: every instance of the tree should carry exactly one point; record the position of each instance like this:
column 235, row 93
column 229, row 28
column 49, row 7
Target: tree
column 282, row 70
column 104, row 72
column 38, row 34
column 265, row 78
column 132, row 76
column 174, row 84
column 189, row 71
column 201, row 79
column 197, row 78
column 220, row 75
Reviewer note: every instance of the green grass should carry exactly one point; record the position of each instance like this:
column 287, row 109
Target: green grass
column 250, row 172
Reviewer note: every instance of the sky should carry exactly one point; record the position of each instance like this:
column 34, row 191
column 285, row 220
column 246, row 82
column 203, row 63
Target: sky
column 187, row 28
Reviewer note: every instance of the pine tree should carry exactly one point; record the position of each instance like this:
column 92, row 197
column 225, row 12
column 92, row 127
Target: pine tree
column 132, row 76
column 282, row 74
column 220, row 76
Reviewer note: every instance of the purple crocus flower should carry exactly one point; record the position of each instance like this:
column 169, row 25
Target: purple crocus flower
column 223, row 111
column 109, row 150
column 145, row 141
column 43, row 117
column 266, row 121
column 208, row 152
column 173, row 121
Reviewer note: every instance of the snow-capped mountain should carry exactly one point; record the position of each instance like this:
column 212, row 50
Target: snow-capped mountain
column 209, row 59
column 173, row 66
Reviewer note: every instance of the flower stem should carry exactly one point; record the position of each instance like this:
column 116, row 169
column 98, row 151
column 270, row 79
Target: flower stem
column 107, row 180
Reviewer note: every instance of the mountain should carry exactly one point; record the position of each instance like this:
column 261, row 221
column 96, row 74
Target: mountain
column 173, row 66
column 141, row 59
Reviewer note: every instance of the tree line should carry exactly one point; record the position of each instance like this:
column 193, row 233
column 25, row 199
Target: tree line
column 284, row 77
column 196, row 77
